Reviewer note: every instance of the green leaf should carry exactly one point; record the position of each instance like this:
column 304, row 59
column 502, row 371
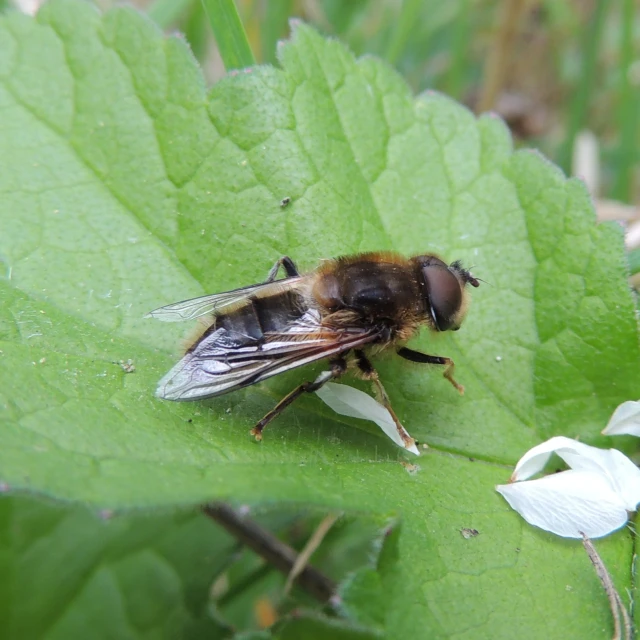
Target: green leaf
column 70, row 574
column 125, row 186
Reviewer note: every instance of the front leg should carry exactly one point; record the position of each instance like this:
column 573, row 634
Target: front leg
column 424, row 358
column 289, row 266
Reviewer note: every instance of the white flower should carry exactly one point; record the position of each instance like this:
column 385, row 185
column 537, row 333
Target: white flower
column 625, row 420
column 354, row 403
column 593, row 497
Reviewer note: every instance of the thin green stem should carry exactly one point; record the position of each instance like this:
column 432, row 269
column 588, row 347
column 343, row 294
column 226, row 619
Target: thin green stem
column 229, row 33
column 454, row 81
column 166, row 12
column 274, row 26
column 628, row 106
column 581, row 97
column 633, row 259
column 409, row 15
column 196, row 30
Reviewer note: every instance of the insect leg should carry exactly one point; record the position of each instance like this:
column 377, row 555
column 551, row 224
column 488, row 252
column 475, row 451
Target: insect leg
column 289, row 266
column 338, row 367
column 416, row 356
column 369, row 373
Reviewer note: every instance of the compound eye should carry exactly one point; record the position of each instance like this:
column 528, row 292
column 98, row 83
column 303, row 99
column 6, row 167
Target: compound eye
column 445, row 295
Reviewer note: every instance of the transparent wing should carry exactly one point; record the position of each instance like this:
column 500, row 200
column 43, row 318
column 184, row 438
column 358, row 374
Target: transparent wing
column 224, row 360
column 215, row 303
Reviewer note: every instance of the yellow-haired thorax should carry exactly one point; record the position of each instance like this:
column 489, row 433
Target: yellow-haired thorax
column 384, row 257
column 377, row 286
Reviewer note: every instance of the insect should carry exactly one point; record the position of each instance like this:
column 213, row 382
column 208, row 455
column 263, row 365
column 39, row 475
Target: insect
column 347, row 309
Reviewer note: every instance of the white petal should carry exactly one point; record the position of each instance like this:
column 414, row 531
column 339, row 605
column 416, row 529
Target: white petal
column 625, row 477
column 622, row 475
column 625, row 420
column 568, row 503
column 536, row 458
column 354, row 403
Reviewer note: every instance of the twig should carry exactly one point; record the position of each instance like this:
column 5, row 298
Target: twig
column 501, row 53
column 628, row 624
column 309, row 549
column 634, row 575
column 274, row 551
column 615, row 601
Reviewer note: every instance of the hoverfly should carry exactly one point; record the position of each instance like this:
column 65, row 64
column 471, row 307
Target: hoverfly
column 343, row 311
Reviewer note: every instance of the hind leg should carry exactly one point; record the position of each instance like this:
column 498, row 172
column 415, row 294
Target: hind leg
column 338, row 367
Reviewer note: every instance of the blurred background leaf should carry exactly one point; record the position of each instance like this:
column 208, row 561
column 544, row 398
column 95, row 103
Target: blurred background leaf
column 70, row 572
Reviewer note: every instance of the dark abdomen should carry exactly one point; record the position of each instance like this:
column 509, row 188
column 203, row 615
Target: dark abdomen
column 260, row 316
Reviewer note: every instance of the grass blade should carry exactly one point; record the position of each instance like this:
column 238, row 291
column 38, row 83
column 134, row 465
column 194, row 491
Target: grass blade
column 628, row 105
column 454, row 82
column 229, row 33
column 582, row 95
column 166, row 12
column 408, row 18
column 274, row 27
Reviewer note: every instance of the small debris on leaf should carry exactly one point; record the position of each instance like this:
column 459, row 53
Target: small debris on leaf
column 127, row 365
column 411, row 469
